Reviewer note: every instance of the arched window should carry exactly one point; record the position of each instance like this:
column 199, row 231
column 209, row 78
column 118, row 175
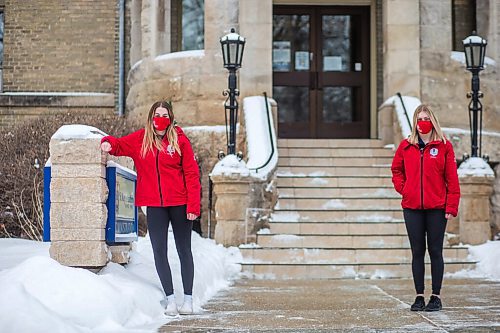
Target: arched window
column 188, row 25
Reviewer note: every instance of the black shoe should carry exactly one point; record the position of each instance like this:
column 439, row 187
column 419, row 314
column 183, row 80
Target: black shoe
column 434, row 304
column 419, row 304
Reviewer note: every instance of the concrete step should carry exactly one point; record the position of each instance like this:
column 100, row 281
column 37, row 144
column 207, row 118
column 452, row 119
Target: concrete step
column 334, row 171
column 335, row 152
column 338, row 203
column 356, row 215
column 341, row 256
column 330, row 143
column 338, row 228
column 332, row 241
column 335, row 161
column 344, row 271
column 331, row 192
column 322, row 181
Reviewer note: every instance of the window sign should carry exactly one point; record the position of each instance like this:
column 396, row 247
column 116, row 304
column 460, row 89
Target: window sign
column 122, row 223
column 281, row 56
column 332, row 63
column 301, row 61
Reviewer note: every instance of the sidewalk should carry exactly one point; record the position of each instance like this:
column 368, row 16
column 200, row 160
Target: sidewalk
column 470, row 305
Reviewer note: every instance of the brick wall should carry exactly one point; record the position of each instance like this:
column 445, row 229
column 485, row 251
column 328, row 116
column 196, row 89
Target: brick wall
column 60, row 45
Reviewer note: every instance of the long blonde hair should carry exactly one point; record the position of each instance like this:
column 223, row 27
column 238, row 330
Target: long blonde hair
column 437, row 133
column 151, row 140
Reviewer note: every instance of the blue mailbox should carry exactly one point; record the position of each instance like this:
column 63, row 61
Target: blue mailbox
column 122, row 224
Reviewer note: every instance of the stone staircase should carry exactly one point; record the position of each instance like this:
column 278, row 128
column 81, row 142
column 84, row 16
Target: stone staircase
column 337, row 216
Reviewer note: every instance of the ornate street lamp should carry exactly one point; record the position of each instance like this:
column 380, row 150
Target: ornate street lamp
column 475, row 50
column 232, row 52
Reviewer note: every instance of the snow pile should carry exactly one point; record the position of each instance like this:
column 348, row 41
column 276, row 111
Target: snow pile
column 411, row 103
column 215, row 128
column 181, row 54
column 475, row 166
column 68, row 132
column 487, row 257
column 40, row 295
column 258, row 137
column 230, row 165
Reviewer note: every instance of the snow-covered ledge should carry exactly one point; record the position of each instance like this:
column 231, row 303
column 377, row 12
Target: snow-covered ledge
column 78, row 194
column 393, row 123
column 476, row 186
column 240, row 185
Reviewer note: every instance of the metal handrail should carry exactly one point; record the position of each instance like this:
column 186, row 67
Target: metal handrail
column 269, row 127
column 404, row 108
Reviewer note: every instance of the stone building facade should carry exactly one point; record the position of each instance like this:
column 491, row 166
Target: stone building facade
column 66, row 58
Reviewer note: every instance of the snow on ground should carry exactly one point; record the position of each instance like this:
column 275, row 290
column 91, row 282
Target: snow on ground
column 487, row 256
column 40, row 295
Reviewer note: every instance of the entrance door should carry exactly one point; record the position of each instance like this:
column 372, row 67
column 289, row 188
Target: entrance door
column 321, row 71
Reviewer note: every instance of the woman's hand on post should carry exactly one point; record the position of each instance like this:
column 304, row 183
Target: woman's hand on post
column 106, row 147
column 191, row 216
column 448, row 216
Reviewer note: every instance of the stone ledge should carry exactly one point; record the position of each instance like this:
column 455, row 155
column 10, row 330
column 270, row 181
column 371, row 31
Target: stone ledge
column 78, row 215
column 57, row 99
column 77, row 234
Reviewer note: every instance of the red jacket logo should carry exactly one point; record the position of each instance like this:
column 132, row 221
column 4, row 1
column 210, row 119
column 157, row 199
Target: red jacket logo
column 434, row 152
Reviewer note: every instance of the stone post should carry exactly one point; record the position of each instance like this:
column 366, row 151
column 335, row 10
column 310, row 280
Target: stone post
column 78, row 193
column 476, row 186
column 233, row 198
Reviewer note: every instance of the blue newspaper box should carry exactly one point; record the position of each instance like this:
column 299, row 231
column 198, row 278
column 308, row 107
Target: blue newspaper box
column 122, row 224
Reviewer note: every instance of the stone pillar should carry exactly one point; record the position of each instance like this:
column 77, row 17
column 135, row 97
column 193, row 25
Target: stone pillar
column 256, row 25
column 78, row 193
column 135, row 32
column 495, row 203
column 401, row 29
column 149, row 25
column 233, row 199
column 474, row 211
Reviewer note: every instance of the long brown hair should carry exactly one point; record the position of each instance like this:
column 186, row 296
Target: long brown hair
column 151, row 140
column 437, row 133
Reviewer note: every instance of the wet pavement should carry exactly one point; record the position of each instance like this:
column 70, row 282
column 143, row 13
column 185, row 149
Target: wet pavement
column 470, row 305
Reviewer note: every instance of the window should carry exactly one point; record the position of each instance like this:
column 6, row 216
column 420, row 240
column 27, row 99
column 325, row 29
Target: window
column 463, row 18
column 188, row 20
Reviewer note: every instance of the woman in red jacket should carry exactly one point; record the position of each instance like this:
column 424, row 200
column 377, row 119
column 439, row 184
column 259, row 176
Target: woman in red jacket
column 424, row 172
column 168, row 185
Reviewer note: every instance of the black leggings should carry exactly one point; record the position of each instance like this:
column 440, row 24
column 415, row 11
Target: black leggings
column 158, row 221
column 432, row 222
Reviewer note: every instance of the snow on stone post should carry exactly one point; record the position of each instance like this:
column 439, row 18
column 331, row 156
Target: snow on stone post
column 476, row 186
column 78, row 193
column 232, row 189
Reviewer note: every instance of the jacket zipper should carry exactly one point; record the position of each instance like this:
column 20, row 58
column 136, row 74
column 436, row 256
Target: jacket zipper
column 158, row 173
column 422, row 177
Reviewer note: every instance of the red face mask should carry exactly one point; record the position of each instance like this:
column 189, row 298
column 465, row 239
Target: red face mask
column 161, row 123
column 424, row 126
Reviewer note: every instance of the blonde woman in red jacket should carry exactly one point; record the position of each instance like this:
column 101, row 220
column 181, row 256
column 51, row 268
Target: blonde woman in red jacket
column 168, row 185
column 424, row 172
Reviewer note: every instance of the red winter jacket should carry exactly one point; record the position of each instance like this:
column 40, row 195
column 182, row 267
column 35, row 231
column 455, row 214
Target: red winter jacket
column 427, row 179
column 164, row 178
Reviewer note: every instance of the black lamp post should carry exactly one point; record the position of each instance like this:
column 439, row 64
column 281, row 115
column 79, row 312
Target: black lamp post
column 475, row 50
column 232, row 52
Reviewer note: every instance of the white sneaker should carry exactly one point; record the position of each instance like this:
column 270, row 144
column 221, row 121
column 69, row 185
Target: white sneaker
column 171, row 309
column 187, row 306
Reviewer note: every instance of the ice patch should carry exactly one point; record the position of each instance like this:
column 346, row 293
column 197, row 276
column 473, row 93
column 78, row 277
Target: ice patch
column 319, row 181
column 264, row 231
column 285, row 217
column 317, row 174
column 333, row 204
